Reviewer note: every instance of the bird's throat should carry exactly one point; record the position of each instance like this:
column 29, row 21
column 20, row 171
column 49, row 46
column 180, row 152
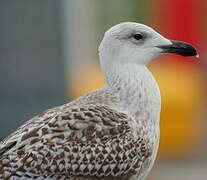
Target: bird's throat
column 137, row 90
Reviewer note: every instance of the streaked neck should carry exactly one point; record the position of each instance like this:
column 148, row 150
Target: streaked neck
column 136, row 88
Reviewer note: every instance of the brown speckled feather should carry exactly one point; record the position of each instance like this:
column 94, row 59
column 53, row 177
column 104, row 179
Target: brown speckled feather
column 76, row 142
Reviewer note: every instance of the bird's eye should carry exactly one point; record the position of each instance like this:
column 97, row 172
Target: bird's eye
column 138, row 36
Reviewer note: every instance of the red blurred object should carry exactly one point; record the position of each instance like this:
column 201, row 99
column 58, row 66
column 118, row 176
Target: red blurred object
column 181, row 20
column 181, row 108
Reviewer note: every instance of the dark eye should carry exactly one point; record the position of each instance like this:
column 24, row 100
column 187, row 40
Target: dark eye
column 138, row 36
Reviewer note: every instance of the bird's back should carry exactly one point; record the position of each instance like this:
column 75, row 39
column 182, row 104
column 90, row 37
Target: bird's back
column 85, row 139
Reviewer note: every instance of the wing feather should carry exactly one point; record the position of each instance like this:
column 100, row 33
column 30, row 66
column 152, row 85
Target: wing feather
column 85, row 141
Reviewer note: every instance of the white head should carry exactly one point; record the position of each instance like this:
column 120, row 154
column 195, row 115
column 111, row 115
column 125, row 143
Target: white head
column 130, row 42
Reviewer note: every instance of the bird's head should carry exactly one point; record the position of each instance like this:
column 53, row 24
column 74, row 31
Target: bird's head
column 137, row 43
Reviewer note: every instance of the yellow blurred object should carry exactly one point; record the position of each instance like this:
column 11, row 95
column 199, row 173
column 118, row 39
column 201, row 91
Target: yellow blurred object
column 181, row 90
column 181, row 87
column 87, row 78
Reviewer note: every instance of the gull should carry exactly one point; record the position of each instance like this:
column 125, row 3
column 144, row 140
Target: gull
column 108, row 134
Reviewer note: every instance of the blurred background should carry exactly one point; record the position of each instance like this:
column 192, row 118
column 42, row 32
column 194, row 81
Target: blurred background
column 48, row 56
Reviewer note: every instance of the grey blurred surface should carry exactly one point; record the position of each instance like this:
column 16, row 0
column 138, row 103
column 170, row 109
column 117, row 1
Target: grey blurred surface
column 181, row 171
column 31, row 68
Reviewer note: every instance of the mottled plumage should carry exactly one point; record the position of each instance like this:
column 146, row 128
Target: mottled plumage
column 109, row 134
column 83, row 138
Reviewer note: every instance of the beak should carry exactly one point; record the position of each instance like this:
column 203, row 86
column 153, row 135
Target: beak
column 180, row 48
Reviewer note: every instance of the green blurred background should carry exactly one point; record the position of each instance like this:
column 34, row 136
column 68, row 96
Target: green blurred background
column 48, row 56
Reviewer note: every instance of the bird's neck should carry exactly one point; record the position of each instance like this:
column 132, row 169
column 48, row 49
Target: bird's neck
column 136, row 88
column 122, row 76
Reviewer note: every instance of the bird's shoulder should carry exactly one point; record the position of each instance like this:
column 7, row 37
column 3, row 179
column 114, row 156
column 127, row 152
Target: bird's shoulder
column 82, row 113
